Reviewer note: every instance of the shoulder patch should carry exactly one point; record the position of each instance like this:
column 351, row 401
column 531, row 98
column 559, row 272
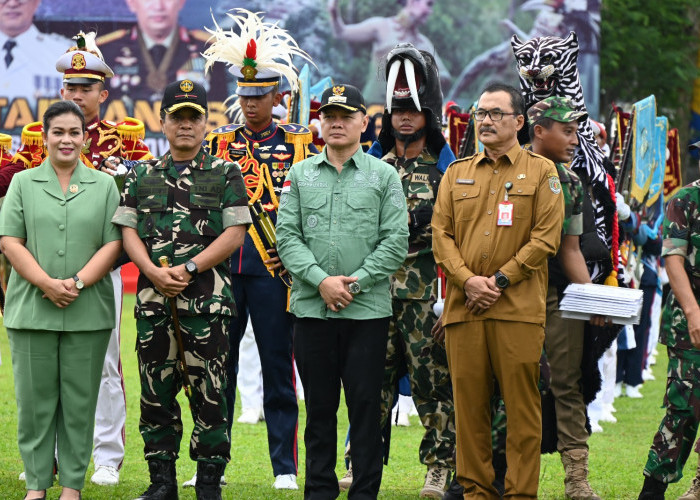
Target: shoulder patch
column 294, row 128
column 554, row 184
column 110, row 37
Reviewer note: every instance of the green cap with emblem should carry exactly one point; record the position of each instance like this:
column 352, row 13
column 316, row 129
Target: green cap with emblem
column 560, row 109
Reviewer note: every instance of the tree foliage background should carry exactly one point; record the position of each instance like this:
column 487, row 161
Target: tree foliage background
column 651, row 47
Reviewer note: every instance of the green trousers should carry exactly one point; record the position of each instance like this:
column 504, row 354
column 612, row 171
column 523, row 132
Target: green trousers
column 57, row 379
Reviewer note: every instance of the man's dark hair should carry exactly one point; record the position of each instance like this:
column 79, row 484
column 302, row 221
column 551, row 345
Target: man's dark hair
column 61, row 108
column 516, row 98
column 545, row 122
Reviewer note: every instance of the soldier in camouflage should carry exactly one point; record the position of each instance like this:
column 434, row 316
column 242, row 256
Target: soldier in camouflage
column 189, row 207
column 411, row 140
column 681, row 334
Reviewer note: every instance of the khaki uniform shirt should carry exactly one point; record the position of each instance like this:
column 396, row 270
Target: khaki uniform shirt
column 467, row 240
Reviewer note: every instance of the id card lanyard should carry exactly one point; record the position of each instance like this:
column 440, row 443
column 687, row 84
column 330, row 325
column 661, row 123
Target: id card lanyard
column 505, row 209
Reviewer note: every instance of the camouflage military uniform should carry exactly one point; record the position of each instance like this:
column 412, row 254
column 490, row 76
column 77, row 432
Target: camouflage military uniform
column 674, row 439
column 411, row 347
column 177, row 215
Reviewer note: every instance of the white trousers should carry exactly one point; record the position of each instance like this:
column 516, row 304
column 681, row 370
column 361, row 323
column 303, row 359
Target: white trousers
column 110, row 415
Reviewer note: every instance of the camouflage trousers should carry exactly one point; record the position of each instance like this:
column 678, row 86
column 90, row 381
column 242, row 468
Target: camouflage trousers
column 674, row 439
column 411, row 349
column 206, row 346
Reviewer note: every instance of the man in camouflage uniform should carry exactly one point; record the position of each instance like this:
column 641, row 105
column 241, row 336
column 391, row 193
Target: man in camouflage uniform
column 411, row 140
column 190, row 208
column 681, row 334
column 553, row 125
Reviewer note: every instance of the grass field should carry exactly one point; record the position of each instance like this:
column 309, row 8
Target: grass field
column 617, row 455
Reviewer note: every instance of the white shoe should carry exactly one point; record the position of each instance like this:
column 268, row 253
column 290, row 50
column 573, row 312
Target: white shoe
column 618, row 390
column 595, row 427
column 192, row 482
column 607, row 416
column 22, row 476
column 250, row 416
column 633, row 391
column 286, row 482
column 105, row 475
column 648, row 375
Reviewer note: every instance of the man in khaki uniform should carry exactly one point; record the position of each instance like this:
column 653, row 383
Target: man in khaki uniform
column 497, row 219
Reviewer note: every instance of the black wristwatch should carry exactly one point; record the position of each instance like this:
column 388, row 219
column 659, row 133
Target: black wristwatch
column 502, row 280
column 191, row 267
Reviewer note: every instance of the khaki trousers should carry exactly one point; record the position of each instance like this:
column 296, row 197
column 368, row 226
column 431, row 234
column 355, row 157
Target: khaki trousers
column 563, row 343
column 509, row 351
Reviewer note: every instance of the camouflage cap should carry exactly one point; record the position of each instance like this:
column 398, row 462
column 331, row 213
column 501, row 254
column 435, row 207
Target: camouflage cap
column 561, row 109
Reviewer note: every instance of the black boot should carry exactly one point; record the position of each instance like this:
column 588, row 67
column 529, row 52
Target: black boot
column 653, row 489
column 208, row 486
column 454, row 491
column 163, row 481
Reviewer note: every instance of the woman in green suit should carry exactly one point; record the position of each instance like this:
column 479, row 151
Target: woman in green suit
column 55, row 229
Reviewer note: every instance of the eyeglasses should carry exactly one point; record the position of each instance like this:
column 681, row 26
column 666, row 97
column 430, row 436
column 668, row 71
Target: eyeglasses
column 496, row 115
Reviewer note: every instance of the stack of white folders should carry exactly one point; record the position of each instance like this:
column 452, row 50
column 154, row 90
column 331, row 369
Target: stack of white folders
column 621, row 305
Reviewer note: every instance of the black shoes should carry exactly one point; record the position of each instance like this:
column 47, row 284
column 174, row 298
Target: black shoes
column 163, row 481
column 208, row 485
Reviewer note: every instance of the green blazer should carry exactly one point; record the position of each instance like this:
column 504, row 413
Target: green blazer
column 62, row 232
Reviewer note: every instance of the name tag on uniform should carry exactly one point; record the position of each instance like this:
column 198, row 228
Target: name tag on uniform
column 465, row 181
column 421, row 178
column 505, row 214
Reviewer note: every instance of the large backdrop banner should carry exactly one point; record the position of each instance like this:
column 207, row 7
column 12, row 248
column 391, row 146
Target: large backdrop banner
column 149, row 43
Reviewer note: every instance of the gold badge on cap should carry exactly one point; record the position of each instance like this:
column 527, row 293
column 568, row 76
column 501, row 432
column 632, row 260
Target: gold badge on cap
column 338, row 90
column 78, row 61
column 186, row 86
column 73, row 188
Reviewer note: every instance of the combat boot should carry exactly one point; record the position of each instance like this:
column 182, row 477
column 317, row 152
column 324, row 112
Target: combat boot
column 436, row 481
column 693, row 492
column 163, row 481
column 455, row 491
column 653, row 489
column 576, row 486
column 208, row 486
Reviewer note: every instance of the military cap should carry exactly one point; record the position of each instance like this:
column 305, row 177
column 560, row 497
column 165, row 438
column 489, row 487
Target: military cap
column 83, row 63
column 344, row 96
column 560, row 109
column 184, row 94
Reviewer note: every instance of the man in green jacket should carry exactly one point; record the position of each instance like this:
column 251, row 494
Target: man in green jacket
column 342, row 233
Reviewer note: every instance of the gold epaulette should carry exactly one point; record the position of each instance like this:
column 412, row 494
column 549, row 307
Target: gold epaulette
column 31, row 134
column 226, row 133
column 110, row 37
column 300, row 136
column 131, row 129
column 5, row 142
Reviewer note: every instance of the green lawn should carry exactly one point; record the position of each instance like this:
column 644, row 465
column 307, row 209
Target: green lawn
column 617, row 455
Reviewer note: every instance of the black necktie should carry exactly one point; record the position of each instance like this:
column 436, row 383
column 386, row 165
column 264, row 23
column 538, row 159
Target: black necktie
column 9, row 45
column 157, row 53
